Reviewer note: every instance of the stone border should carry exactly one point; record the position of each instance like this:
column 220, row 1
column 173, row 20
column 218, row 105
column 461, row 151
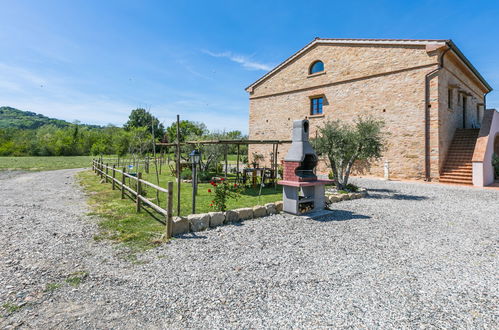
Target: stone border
column 203, row 221
column 338, row 197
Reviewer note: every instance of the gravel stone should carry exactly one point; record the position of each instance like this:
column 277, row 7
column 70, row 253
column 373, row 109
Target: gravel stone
column 408, row 256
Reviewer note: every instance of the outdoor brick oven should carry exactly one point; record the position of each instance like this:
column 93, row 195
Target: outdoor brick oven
column 302, row 191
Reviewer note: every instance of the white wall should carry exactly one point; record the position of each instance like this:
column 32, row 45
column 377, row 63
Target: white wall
column 483, row 172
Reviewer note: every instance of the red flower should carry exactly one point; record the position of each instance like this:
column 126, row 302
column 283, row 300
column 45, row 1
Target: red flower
column 214, row 185
column 235, row 185
column 209, row 190
column 211, row 182
column 211, row 204
column 222, row 179
column 213, row 201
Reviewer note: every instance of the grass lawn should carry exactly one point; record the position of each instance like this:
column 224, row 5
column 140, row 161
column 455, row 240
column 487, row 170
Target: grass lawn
column 45, row 163
column 121, row 223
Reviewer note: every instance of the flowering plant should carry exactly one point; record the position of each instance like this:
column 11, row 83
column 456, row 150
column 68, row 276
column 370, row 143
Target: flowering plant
column 222, row 192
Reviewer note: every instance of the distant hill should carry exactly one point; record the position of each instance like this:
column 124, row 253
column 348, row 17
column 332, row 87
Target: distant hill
column 14, row 118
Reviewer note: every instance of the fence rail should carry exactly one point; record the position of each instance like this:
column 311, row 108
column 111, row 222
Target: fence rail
column 108, row 174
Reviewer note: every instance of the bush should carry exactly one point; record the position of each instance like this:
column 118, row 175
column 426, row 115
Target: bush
column 351, row 187
column 205, row 176
column 222, row 192
column 495, row 163
column 343, row 144
column 186, row 174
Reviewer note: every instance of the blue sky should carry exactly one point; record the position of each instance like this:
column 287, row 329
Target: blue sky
column 95, row 61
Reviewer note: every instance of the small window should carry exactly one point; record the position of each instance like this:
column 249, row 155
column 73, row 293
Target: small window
column 449, row 98
column 317, row 66
column 316, row 106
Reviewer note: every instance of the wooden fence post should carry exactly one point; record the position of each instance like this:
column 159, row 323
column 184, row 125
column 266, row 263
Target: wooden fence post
column 169, row 216
column 226, row 162
column 147, row 165
column 107, row 171
column 123, row 183
column 101, row 170
column 139, row 190
column 177, row 160
column 114, row 174
column 237, row 164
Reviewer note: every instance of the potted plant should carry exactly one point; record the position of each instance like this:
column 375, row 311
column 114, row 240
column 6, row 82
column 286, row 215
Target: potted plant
column 256, row 159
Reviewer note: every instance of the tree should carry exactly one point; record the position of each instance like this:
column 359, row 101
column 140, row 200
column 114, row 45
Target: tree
column 212, row 153
column 345, row 144
column 188, row 129
column 141, row 118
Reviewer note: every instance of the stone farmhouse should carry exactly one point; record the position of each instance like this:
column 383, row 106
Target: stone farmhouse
column 431, row 98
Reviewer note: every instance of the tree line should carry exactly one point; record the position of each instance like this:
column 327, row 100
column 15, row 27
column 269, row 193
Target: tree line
column 135, row 137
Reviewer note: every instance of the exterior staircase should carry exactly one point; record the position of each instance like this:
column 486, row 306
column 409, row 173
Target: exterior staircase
column 458, row 168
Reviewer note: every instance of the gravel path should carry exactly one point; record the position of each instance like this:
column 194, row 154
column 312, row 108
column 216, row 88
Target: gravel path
column 411, row 255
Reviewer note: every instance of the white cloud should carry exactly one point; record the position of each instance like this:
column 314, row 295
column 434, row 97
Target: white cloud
column 245, row 61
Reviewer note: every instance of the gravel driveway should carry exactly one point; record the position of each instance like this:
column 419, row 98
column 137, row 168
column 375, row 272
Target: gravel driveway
column 411, row 255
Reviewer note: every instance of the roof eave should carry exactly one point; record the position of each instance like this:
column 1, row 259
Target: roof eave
column 407, row 42
column 463, row 58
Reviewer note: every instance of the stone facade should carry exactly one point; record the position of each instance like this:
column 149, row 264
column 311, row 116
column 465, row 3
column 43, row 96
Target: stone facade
column 386, row 81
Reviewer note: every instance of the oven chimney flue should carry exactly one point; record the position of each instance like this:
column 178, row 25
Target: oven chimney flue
column 300, row 146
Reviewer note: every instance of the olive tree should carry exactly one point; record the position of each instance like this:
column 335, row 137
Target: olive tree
column 343, row 144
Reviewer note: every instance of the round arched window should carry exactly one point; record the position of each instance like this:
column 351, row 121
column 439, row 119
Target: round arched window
column 317, row 66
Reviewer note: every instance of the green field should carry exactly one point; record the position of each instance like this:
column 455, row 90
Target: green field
column 121, row 223
column 45, row 163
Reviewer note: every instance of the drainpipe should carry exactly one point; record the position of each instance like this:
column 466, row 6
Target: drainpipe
column 427, row 112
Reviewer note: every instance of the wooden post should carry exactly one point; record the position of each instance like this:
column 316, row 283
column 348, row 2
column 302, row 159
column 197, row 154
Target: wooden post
column 226, row 163
column 178, row 165
column 139, row 189
column 237, row 164
column 123, row 183
column 161, row 159
column 169, row 209
column 114, row 174
column 107, row 171
column 276, row 165
column 146, row 165
column 101, row 168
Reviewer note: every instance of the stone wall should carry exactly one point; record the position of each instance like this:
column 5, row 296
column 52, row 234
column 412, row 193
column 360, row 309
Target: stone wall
column 396, row 98
column 387, row 82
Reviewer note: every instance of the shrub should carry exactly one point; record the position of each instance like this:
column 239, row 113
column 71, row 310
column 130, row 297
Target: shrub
column 345, row 144
column 222, row 192
column 351, row 187
column 205, row 176
column 256, row 159
column 186, row 174
column 495, row 163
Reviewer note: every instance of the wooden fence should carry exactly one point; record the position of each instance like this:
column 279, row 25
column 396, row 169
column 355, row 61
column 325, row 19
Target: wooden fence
column 109, row 174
